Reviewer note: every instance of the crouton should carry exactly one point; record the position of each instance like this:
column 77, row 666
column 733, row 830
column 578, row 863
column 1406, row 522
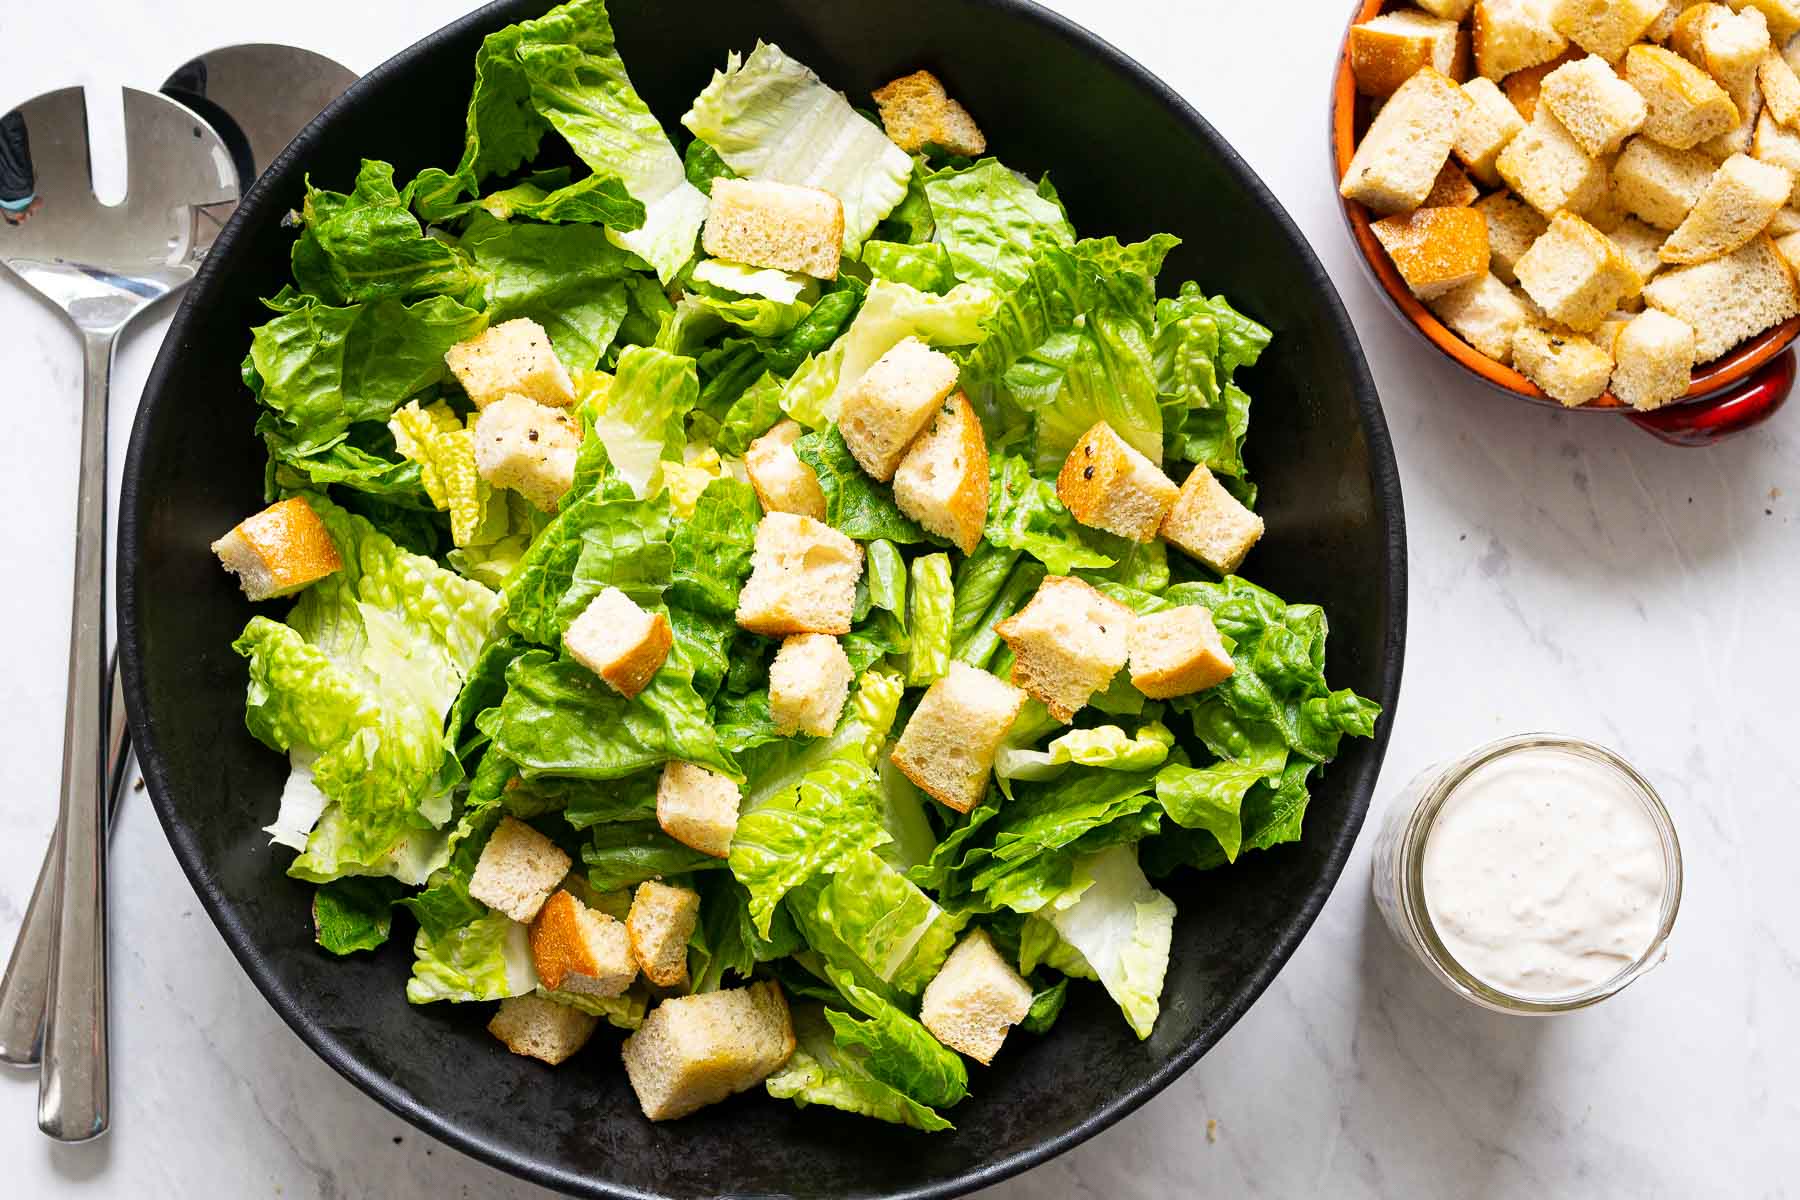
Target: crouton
column 1522, row 88
column 1653, row 360
column 528, row 447
column 942, row 483
column 576, row 949
column 1178, row 651
column 1605, row 27
column 1726, row 45
column 1068, row 643
column 533, row 1027
column 949, row 743
column 1664, row 25
column 1778, row 146
column 1512, row 227
column 692, row 1051
column 697, row 807
column 1387, row 50
column 1784, row 222
column 783, row 483
column 1608, row 211
column 1511, row 35
column 279, row 551
column 661, row 921
column 975, row 997
column 809, row 681
column 1780, row 90
column 518, row 869
column 1406, row 145
column 1450, row 10
column 1107, row 483
column 1208, row 524
column 1575, row 273
column 1569, row 368
column 1607, row 334
column 1781, row 16
column 1549, row 170
column 779, row 225
column 620, row 642
column 1484, row 313
column 1730, row 299
column 1640, row 245
column 1788, row 246
column 1684, row 106
column 892, row 403
column 1598, row 109
column 1453, row 189
column 1659, row 184
column 802, row 578
column 1435, row 249
column 1487, row 125
column 1738, row 203
column 511, row 358
column 916, row 112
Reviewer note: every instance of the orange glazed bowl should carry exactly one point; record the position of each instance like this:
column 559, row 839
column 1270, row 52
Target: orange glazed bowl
column 1740, row 389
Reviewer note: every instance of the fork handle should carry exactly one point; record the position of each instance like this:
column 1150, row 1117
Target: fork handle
column 73, row 1100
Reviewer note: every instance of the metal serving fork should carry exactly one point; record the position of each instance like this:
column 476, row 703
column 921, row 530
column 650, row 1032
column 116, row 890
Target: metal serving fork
column 101, row 266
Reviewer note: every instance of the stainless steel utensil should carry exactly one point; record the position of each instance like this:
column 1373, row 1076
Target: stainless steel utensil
column 101, row 266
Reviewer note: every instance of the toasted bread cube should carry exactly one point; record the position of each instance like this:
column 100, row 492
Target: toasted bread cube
column 620, row 642
column 692, row 1051
column 1609, row 211
column 949, row 743
column 1728, row 300
column 802, row 578
column 1487, row 125
column 1641, row 246
column 809, row 681
column 1178, row 651
column 1569, row 368
column 892, row 403
column 1781, row 16
column 783, row 483
column 1208, row 524
column 1107, row 483
column 518, row 869
column 1522, row 88
column 1598, row 109
column 528, row 447
column 1738, row 203
column 1726, row 45
column 533, row 1027
column 661, row 921
column 1780, row 89
column 1606, row 336
column 1784, row 222
column 1389, row 49
column 942, row 483
column 1684, row 105
column 1512, row 227
column 1484, row 313
column 1575, row 273
column 576, row 949
column 1453, row 189
column 779, row 225
column 975, row 997
column 697, row 807
column 1778, row 146
column 1664, row 25
column 1549, row 170
column 1653, row 360
column 1406, row 145
column 1511, row 35
column 1450, row 10
column 511, row 358
column 916, row 111
column 1788, row 246
column 279, row 551
column 1606, row 28
column 1068, row 643
column 1436, row 250
column 1659, row 184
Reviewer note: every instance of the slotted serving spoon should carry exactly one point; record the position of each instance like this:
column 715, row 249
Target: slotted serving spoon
column 102, row 266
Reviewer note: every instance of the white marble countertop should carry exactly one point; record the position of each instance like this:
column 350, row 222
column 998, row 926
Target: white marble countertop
column 1568, row 573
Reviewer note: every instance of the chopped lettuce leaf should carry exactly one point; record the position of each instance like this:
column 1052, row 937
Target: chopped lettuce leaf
column 783, row 287
column 1122, row 927
column 893, row 312
column 854, row 503
column 642, row 422
column 896, row 1048
column 487, row 959
column 1105, row 746
column 436, row 439
column 624, row 1011
column 567, row 278
column 822, row 1072
column 991, row 221
column 368, row 246
column 932, row 609
column 1025, row 514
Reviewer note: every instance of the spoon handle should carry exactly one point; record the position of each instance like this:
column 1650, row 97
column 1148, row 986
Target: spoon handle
column 73, row 1099
column 25, row 988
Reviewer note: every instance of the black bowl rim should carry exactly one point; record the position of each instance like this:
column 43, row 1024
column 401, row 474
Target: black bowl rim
column 1385, row 478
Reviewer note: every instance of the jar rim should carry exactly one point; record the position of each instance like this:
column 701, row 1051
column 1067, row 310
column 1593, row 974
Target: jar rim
column 1416, row 914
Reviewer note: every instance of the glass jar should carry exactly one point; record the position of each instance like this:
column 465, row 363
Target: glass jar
column 1399, row 887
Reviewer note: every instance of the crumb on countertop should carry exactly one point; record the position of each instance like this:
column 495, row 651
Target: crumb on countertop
column 1212, row 1130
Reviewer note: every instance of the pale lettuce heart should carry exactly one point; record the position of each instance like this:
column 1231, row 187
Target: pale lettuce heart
column 1122, row 927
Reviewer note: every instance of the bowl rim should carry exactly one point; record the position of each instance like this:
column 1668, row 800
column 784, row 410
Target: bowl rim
column 1731, row 368
column 1361, row 775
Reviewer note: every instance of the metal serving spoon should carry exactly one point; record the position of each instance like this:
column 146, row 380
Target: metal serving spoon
column 101, row 266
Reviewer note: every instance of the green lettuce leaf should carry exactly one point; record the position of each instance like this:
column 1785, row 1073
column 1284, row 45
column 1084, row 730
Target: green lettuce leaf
column 855, row 504
column 821, row 1072
column 932, row 611
column 354, row 914
column 367, row 245
column 712, row 549
column 1024, row 514
column 437, row 440
column 1105, row 746
column 643, row 421
column 866, row 918
column 624, row 1011
column 892, row 312
column 1209, row 798
column 895, row 1048
column 567, row 278
column 992, row 221
column 925, row 267
column 622, row 854
column 487, row 959
column 1122, row 927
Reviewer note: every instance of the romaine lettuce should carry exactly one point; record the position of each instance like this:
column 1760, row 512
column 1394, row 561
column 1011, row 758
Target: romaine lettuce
column 487, row 959
column 992, row 221
column 1122, row 927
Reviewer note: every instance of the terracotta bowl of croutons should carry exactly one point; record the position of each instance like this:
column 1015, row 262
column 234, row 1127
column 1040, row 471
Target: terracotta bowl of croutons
column 1587, row 204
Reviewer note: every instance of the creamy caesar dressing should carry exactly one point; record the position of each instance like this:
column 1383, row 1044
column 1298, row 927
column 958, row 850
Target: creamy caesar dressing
column 1544, row 873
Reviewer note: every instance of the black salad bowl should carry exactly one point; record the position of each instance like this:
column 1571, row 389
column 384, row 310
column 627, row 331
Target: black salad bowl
column 1130, row 158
